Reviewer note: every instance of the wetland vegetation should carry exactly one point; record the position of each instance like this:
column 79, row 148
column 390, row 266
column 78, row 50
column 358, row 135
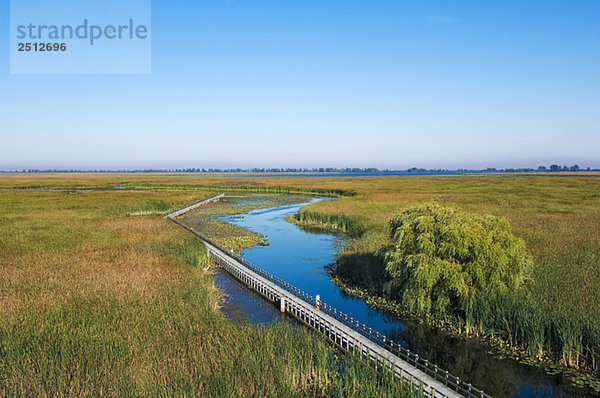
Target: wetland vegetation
column 97, row 302
column 209, row 218
column 554, row 320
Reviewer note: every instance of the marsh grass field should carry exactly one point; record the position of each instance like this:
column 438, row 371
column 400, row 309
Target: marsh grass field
column 556, row 317
column 64, row 254
column 100, row 296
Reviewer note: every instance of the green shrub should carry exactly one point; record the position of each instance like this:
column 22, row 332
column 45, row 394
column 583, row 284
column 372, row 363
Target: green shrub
column 443, row 259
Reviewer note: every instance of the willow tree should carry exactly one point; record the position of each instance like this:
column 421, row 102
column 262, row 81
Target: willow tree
column 442, row 259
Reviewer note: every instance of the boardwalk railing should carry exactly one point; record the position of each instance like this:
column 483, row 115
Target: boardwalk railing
column 186, row 208
column 345, row 331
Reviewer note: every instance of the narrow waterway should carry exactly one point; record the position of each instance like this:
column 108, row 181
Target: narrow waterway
column 300, row 256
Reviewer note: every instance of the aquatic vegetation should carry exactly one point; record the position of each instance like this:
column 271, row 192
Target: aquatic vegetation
column 352, row 225
column 228, row 235
column 209, row 218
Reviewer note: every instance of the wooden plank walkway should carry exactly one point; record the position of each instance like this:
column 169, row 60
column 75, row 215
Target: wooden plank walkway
column 346, row 332
column 185, row 209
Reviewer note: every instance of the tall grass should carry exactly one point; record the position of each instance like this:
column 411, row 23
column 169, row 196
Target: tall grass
column 277, row 189
column 174, row 344
column 557, row 316
column 352, row 225
column 570, row 339
column 144, row 209
column 95, row 303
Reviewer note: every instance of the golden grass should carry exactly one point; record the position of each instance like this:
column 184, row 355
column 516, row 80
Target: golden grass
column 56, row 246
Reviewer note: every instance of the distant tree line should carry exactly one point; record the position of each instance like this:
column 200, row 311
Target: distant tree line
column 552, row 168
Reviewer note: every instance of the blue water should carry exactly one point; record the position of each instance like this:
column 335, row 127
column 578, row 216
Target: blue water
column 300, row 257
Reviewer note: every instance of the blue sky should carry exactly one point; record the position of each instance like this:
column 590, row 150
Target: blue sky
column 281, row 83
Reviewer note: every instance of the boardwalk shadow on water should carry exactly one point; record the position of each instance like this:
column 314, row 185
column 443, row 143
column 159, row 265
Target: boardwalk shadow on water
column 240, row 304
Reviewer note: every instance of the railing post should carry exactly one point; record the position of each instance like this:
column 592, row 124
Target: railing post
column 318, row 300
column 282, row 304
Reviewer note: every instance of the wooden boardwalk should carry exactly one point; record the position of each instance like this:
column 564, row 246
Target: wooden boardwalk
column 177, row 212
column 346, row 332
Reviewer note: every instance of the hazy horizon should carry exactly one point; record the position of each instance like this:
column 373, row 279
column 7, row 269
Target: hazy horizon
column 267, row 170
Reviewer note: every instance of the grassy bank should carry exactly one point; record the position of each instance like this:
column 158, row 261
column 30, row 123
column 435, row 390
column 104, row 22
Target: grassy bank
column 96, row 301
column 556, row 317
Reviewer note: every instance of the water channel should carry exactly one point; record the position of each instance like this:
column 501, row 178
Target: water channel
column 299, row 256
